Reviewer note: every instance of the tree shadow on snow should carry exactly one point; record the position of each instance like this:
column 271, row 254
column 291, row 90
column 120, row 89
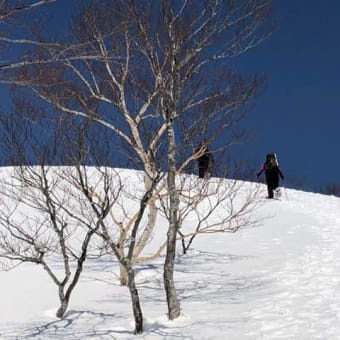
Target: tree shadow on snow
column 204, row 276
column 74, row 325
column 77, row 325
column 210, row 278
column 200, row 276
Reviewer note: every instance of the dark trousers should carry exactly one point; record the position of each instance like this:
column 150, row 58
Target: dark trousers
column 272, row 184
column 203, row 170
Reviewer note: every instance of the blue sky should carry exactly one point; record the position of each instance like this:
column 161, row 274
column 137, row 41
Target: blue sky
column 298, row 114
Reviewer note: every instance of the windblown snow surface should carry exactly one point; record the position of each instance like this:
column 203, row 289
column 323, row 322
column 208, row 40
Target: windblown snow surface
column 279, row 280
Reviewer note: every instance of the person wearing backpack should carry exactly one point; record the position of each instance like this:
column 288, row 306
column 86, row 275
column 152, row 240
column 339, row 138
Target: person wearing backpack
column 205, row 161
column 272, row 172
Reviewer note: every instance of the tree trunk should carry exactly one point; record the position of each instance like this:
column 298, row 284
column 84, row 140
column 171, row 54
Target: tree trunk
column 137, row 310
column 62, row 309
column 174, row 309
column 123, row 279
column 145, row 237
column 123, row 276
column 150, row 175
column 64, row 301
column 169, row 284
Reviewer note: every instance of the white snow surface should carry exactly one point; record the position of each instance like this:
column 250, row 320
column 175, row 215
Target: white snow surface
column 278, row 280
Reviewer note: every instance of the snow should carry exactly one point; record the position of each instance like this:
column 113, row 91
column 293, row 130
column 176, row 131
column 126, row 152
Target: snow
column 278, row 280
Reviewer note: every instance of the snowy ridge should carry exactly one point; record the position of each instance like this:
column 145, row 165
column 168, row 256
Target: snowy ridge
column 278, row 280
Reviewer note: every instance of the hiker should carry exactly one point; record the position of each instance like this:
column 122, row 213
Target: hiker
column 272, row 173
column 205, row 161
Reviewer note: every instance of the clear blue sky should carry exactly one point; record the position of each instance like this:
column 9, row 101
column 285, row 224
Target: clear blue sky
column 298, row 115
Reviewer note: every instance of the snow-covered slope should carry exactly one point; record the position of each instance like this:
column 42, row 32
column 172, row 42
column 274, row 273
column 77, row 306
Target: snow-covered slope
column 279, row 280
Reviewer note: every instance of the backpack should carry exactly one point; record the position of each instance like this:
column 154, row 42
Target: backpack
column 271, row 161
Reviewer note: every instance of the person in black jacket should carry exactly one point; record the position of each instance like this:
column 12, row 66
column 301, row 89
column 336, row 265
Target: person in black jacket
column 205, row 162
column 272, row 173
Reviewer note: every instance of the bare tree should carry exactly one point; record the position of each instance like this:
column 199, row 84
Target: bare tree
column 94, row 72
column 123, row 249
column 41, row 220
column 155, row 73
column 110, row 209
column 46, row 210
column 193, row 39
column 215, row 205
column 35, row 227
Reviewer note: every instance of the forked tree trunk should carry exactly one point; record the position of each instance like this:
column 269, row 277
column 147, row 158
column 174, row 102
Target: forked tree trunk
column 65, row 297
column 63, row 308
column 64, row 302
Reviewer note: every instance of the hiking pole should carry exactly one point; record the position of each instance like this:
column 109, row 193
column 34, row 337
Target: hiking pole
column 284, row 188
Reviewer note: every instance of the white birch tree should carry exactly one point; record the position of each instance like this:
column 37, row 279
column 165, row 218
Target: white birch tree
column 159, row 76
